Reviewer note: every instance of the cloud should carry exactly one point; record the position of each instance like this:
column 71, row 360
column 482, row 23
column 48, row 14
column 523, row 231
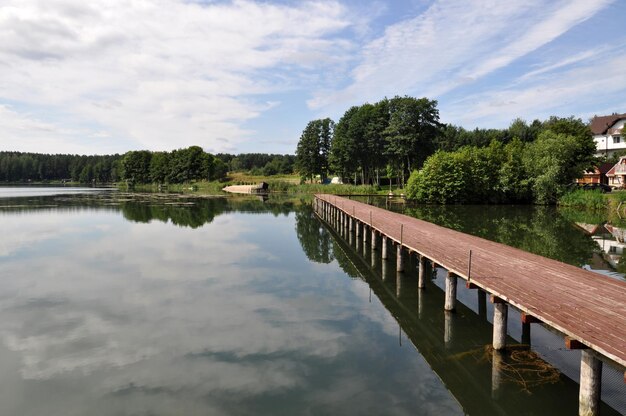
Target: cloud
column 160, row 74
column 583, row 91
column 453, row 44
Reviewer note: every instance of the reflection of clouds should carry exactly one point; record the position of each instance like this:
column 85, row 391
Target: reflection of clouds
column 17, row 236
column 163, row 318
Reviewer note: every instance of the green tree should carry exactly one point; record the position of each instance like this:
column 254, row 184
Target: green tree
column 135, row 166
column 159, row 167
column 411, row 133
column 314, row 147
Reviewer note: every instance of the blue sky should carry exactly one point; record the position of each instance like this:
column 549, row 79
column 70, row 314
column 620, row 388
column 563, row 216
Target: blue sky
column 109, row 76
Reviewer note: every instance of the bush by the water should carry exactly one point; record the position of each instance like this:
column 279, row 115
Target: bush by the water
column 584, row 199
column 537, row 171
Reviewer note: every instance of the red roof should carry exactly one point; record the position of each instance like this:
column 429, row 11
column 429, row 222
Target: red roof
column 600, row 124
column 605, row 167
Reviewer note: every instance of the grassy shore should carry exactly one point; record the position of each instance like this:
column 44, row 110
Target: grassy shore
column 593, row 200
column 287, row 184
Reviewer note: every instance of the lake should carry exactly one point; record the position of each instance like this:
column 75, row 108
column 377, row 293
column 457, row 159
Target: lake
column 137, row 304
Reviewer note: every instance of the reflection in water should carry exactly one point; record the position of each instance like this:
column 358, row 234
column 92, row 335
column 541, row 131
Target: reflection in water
column 458, row 346
column 108, row 308
column 155, row 304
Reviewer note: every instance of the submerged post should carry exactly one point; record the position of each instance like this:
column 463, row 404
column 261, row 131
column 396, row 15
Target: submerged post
column 500, row 314
column 451, row 281
column 374, row 247
column 400, row 259
column 590, row 384
column 384, row 246
column 421, row 274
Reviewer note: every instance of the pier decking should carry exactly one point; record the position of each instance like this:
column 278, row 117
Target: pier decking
column 588, row 308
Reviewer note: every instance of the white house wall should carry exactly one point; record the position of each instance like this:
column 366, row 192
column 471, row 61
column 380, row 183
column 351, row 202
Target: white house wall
column 604, row 142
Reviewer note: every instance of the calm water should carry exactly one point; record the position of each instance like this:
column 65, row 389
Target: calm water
column 135, row 304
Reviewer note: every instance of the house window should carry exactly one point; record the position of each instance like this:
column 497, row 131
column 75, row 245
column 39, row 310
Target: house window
column 617, row 139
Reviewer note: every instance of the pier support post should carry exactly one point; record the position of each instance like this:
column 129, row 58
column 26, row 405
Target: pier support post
column 421, row 274
column 448, row 330
column 420, row 303
column 500, row 314
column 384, row 247
column 358, row 228
column 496, row 374
column 450, row 303
column 364, row 234
column 400, row 259
column 399, row 277
column 374, row 247
column 482, row 303
column 590, row 382
column 351, row 224
column 526, row 321
column 384, row 270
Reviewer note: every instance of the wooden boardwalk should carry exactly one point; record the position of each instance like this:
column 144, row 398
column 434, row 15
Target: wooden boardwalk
column 586, row 306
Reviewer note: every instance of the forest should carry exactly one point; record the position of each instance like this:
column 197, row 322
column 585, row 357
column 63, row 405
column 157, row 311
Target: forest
column 143, row 166
column 403, row 138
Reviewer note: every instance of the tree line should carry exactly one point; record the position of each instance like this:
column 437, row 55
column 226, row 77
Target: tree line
column 142, row 166
column 19, row 167
column 258, row 163
column 402, row 136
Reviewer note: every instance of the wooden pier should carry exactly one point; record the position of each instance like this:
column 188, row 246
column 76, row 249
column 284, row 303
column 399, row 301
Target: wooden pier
column 587, row 308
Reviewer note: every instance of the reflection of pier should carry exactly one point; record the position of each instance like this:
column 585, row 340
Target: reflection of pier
column 456, row 345
column 588, row 308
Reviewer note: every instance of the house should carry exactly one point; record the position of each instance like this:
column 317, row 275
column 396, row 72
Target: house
column 608, row 134
column 597, row 174
column 617, row 174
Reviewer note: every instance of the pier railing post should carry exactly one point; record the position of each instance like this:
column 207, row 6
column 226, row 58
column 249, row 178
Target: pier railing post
column 451, row 281
column 500, row 315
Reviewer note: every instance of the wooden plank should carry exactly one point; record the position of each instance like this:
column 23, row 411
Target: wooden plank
column 583, row 305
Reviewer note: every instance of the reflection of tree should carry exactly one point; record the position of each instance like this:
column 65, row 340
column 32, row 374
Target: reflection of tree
column 192, row 215
column 346, row 257
column 314, row 238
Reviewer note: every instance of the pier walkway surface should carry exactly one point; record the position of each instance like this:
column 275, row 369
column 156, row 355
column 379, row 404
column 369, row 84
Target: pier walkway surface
column 587, row 307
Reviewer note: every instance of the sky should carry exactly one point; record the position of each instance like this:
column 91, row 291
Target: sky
column 108, row 76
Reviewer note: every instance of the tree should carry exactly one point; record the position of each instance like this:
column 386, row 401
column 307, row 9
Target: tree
column 344, row 149
column 136, row 166
column 314, row 147
column 159, row 167
column 411, row 132
column 555, row 159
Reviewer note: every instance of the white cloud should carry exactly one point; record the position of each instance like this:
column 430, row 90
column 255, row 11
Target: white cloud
column 161, row 74
column 581, row 91
column 455, row 43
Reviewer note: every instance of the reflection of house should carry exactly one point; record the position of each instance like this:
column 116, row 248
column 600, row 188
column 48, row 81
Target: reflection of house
column 607, row 133
column 613, row 246
column 617, row 174
column 596, row 175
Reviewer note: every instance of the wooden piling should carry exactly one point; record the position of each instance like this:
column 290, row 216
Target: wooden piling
column 500, row 315
column 450, row 303
column 374, row 247
column 421, row 273
column 400, row 258
column 384, row 245
column 590, row 384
